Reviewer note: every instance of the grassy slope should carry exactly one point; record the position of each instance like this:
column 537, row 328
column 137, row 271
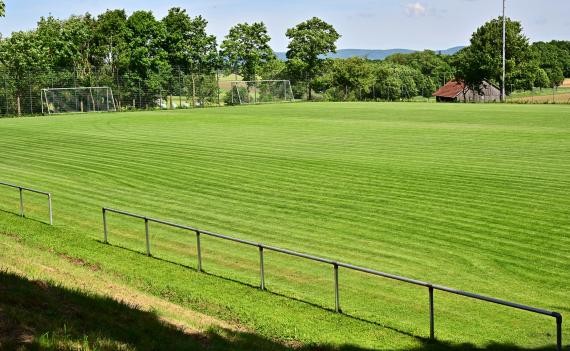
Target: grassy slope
column 471, row 196
column 60, row 291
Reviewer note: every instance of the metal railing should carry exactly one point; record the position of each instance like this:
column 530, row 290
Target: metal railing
column 336, row 265
column 22, row 189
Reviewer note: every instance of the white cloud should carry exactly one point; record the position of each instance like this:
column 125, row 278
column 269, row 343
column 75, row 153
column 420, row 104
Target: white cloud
column 415, row 9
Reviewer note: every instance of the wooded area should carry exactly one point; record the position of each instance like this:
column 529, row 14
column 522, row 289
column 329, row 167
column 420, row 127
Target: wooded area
column 148, row 61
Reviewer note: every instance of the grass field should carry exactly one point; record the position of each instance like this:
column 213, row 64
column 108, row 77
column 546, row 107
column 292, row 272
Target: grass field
column 470, row 196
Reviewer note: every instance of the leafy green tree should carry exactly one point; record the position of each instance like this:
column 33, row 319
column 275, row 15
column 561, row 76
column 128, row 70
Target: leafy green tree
column 395, row 81
column 148, row 61
column 67, row 43
column 187, row 42
column 564, row 46
column 427, row 62
column 553, row 59
column 310, row 40
column 22, row 56
column 542, row 80
column 110, row 40
column 189, row 46
column 77, row 39
column 484, row 55
column 354, row 75
column 2, row 9
column 274, row 69
column 22, row 53
column 49, row 36
column 433, row 67
column 246, row 49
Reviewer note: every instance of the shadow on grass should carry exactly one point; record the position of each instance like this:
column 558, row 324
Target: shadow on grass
column 26, row 216
column 443, row 346
column 37, row 315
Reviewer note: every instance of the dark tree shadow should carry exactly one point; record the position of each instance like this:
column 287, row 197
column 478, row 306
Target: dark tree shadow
column 444, row 346
column 36, row 315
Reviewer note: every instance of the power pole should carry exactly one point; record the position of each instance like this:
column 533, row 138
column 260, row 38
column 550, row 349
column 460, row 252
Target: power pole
column 503, row 95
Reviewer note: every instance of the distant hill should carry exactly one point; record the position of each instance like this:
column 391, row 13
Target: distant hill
column 375, row 54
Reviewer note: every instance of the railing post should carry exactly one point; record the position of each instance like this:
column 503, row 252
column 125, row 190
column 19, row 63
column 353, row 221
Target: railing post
column 105, row 240
column 50, row 210
column 431, row 317
column 199, row 251
column 147, row 236
column 21, row 202
column 559, row 332
column 261, row 268
column 336, row 292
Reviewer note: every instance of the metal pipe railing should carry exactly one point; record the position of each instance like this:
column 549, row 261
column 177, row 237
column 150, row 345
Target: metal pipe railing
column 336, row 265
column 21, row 189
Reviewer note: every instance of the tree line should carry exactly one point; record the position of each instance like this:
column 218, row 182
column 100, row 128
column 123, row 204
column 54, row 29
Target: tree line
column 148, row 52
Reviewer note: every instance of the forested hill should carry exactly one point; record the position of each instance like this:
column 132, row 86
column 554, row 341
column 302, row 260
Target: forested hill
column 374, row 54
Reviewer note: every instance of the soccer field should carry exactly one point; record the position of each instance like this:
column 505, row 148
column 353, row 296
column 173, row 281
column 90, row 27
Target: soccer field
column 475, row 197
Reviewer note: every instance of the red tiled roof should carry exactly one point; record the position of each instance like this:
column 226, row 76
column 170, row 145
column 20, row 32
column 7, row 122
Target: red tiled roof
column 450, row 90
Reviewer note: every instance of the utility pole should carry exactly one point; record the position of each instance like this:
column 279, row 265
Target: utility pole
column 503, row 95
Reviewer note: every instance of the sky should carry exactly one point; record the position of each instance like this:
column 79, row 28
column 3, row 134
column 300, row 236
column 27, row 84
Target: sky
column 363, row 24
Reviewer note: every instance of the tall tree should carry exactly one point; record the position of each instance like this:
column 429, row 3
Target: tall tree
column 77, row 42
column 187, row 42
column 67, row 43
column 148, row 61
column 110, row 36
column 310, row 40
column 246, row 49
column 22, row 53
column 2, row 9
column 22, row 56
column 189, row 45
column 553, row 59
column 484, row 55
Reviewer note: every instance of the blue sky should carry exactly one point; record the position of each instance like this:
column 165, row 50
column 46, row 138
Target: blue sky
column 364, row 24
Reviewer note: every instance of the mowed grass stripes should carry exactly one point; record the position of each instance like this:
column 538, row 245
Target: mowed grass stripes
column 471, row 196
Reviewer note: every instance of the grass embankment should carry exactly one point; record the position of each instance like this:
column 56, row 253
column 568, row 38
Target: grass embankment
column 59, row 291
column 470, row 196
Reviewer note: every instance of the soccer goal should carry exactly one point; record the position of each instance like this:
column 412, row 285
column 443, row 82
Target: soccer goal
column 261, row 91
column 82, row 99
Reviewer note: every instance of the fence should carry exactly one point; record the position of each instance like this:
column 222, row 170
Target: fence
column 336, row 265
column 21, row 93
column 22, row 189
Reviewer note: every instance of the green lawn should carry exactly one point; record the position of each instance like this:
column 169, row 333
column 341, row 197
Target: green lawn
column 471, row 196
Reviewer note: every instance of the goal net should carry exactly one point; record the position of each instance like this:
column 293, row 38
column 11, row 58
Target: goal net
column 260, row 91
column 82, row 99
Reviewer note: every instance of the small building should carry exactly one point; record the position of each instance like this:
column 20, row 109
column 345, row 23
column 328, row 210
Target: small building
column 455, row 91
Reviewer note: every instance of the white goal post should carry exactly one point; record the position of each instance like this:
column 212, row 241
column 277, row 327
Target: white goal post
column 261, row 91
column 76, row 100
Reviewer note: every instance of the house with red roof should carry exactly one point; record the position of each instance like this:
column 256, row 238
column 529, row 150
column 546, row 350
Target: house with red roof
column 455, row 91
